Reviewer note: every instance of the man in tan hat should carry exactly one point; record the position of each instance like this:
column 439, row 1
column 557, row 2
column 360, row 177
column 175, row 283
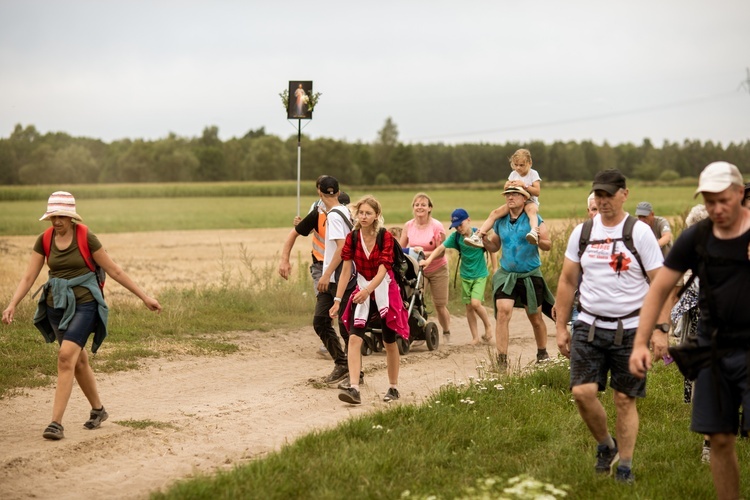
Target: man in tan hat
column 519, row 282
column 716, row 250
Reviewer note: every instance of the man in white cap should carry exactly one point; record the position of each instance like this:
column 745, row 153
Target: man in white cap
column 716, row 250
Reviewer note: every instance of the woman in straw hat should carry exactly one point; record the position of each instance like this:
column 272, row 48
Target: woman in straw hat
column 71, row 306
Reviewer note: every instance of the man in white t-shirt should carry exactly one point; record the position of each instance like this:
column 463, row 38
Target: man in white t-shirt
column 611, row 295
column 338, row 226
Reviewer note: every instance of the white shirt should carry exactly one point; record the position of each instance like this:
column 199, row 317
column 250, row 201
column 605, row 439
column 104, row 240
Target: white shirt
column 603, row 291
column 336, row 229
column 527, row 180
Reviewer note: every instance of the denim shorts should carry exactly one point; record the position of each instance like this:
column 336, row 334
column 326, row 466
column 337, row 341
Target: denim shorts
column 80, row 327
column 591, row 361
column 716, row 401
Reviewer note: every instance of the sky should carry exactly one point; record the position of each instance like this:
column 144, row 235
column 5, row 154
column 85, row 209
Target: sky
column 468, row 71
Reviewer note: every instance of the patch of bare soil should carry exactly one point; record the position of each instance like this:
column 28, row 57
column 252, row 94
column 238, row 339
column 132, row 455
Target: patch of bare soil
column 212, row 412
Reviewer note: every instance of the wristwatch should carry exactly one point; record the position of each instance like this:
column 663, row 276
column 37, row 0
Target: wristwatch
column 664, row 327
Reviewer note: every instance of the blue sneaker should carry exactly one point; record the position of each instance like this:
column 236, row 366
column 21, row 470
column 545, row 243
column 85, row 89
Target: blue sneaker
column 624, row 475
column 606, row 458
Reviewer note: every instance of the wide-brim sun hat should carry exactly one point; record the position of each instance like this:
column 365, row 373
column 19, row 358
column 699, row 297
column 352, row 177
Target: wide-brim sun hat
column 61, row 204
column 517, row 189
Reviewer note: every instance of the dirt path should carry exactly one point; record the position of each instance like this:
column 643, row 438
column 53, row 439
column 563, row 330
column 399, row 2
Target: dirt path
column 214, row 412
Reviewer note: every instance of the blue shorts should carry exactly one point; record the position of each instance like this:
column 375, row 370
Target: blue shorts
column 716, row 401
column 80, row 327
column 591, row 361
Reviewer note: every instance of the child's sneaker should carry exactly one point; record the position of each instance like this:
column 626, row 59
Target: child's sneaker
column 474, row 241
column 533, row 237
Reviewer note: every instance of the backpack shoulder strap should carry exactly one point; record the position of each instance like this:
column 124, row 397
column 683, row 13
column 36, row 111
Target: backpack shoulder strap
column 82, row 236
column 47, row 241
column 585, row 236
column 627, row 238
column 347, row 218
column 380, row 237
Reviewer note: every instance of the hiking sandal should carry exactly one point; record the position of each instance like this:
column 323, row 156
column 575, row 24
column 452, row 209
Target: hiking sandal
column 96, row 417
column 53, row 431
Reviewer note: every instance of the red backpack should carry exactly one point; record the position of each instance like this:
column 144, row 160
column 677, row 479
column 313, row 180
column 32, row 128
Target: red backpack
column 82, row 237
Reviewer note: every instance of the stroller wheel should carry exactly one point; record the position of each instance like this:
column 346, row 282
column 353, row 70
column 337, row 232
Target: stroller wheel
column 431, row 336
column 378, row 344
column 403, row 345
column 366, row 348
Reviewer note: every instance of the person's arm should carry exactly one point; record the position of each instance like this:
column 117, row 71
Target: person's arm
column 346, row 272
column 436, row 254
column 285, row 267
column 36, row 262
column 545, row 241
column 566, row 288
column 500, row 211
column 666, row 237
column 535, row 189
column 119, row 275
column 325, row 278
column 663, row 280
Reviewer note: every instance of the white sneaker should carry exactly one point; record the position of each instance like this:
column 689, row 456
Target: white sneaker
column 533, row 237
column 474, row 241
column 706, row 455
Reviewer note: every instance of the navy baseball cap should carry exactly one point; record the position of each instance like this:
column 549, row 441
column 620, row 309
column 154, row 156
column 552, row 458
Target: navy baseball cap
column 458, row 216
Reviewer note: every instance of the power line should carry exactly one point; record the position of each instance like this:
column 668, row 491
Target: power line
column 602, row 116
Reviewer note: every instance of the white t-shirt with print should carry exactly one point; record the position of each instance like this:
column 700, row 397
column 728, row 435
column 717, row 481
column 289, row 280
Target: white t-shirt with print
column 527, row 180
column 336, row 229
column 605, row 289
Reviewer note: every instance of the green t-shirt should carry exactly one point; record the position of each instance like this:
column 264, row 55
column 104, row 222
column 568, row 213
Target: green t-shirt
column 68, row 263
column 473, row 264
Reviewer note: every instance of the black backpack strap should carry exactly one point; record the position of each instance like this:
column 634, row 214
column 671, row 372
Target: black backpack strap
column 379, row 238
column 627, row 238
column 583, row 242
column 347, row 218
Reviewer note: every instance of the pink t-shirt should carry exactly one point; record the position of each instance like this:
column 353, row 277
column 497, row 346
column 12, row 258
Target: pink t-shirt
column 428, row 238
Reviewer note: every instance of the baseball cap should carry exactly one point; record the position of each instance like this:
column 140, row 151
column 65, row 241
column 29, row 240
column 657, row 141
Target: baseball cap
column 643, row 208
column 458, row 216
column 717, row 177
column 329, row 185
column 610, row 180
column 517, row 189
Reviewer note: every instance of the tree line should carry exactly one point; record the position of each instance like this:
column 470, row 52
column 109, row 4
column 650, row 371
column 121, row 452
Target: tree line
column 29, row 158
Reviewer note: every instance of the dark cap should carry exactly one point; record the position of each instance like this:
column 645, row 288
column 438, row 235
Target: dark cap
column 329, row 185
column 344, row 198
column 610, row 180
column 458, row 216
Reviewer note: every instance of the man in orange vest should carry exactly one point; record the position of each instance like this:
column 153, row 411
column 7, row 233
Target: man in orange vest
column 315, row 223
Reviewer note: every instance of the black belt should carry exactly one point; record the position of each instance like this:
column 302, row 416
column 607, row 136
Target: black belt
column 618, row 332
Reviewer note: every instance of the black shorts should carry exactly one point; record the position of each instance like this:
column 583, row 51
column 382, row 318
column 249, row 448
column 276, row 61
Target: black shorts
column 374, row 321
column 519, row 292
column 591, row 361
column 717, row 412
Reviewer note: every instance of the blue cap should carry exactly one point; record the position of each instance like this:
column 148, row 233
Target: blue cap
column 458, row 216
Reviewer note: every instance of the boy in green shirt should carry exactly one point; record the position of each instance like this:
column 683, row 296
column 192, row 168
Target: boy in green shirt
column 473, row 271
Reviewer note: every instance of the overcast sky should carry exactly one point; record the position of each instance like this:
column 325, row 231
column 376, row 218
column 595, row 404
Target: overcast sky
column 451, row 71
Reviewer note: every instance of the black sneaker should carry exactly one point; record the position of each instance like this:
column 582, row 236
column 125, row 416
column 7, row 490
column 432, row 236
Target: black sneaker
column 338, row 374
column 54, row 431
column 96, row 417
column 345, row 384
column 624, row 475
column 542, row 356
column 350, row 396
column 606, row 458
column 391, row 395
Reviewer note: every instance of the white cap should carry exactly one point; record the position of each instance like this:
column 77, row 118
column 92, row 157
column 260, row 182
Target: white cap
column 717, row 177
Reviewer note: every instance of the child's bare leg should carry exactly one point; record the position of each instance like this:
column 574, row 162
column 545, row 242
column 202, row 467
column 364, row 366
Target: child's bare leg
column 481, row 312
column 531, row 210
column 499, row 212
column 471, row 318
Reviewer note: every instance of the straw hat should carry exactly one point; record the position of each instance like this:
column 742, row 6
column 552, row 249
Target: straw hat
column 61, row 204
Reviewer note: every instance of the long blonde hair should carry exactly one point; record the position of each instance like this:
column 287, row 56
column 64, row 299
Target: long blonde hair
column 375, row 205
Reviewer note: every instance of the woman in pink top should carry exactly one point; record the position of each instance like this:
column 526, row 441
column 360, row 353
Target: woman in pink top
column 426, row 234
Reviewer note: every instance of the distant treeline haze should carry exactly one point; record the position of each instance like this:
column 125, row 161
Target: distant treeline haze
column 28, row 158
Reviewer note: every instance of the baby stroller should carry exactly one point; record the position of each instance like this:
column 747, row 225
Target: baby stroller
column 419, row 328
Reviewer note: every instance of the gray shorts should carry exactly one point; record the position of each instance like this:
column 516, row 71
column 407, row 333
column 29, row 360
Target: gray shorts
column 590, row 362
column 716, row 402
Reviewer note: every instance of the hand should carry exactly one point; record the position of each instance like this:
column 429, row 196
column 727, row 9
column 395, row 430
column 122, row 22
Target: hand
column 333, row 312
column 554, row 313
column 416, row 249
column 323, row 283
column 640, row 361
column 563, row 340
column 152, row 304
column 8, row 315
column 423, row 263
column 361, row 296
column 660, row 344
column 285, row 269
column 297, row 220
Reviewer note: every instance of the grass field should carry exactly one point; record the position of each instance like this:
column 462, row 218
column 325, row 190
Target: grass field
column 234, row 206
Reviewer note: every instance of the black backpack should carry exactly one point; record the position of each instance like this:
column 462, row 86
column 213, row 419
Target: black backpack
column 400, row 264
column 627, row 239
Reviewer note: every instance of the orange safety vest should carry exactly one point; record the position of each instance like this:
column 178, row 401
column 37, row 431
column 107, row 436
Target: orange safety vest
column 319, row 238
